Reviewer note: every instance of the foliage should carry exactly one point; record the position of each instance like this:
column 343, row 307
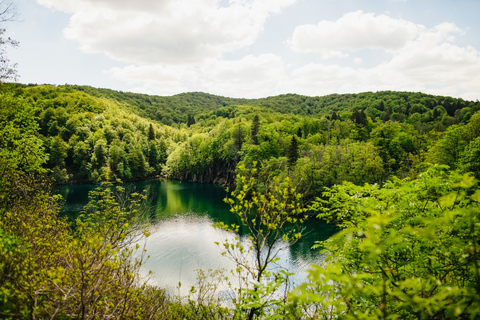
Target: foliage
column 457, row 146
column 99, row 134
column 47, row 270
column 292, row 153
column 408, row 250
column 21, row 151
column 271, row 218
column 8, row 70
column 202, row 302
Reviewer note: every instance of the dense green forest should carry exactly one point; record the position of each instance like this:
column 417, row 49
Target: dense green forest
column 95, row 135
column 396, row 171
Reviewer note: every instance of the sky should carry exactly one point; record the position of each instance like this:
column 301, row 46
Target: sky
column 251, row 48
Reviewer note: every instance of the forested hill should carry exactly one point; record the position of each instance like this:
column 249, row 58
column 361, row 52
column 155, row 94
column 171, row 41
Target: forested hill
column 98, row 134
column 176, row 109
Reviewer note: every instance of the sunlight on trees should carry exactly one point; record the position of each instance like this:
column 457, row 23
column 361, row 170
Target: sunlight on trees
column 407, row 250
column 272, row 221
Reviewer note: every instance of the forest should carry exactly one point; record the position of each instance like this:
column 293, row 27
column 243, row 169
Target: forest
column 397, row 172
column 95, row 135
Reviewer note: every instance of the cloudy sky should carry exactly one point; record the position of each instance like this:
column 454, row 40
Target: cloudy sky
column 251, row 48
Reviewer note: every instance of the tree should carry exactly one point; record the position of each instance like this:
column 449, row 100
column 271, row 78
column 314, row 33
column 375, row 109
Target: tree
column 299, row 133
column 335, row 116
column 381, row 106
column 271, row 218
column 238, row 136
column 58, row 152
column 190, row 120
column 470, row 158
column 136, row 163
column 8, row 71
column 387, row 115
column 151, row 133
column 153, row 155
column 100, row 153
column 81, row 158
column 292, row 153
column 408, row 250
column 255, row 128
column 21, row 151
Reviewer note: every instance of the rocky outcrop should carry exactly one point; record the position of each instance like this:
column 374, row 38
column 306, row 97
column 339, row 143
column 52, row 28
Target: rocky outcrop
column 221, row 174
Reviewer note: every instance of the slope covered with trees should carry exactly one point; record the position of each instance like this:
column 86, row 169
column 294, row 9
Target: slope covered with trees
column 98, row 134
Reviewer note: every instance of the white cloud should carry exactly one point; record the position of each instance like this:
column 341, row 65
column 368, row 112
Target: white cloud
column 167, row 31
column 437, row 68
column 418, row 58
column 354, row 31
column 175, row 46
column 249, row 77
column 442, row 69
column 164, row 79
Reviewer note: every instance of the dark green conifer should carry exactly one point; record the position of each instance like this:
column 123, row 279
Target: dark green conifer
column 255, row 127
column 299, row 132
column 292, row 153
column 151, row 133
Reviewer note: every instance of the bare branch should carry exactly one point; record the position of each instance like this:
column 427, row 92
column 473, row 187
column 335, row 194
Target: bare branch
column 8, row 11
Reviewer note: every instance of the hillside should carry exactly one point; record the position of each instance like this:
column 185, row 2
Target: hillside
column 97, row 134
column 175, row 109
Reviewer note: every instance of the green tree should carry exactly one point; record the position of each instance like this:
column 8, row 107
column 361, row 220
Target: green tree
column 81, row 159
column 271, row 218
column 387, row 115
column 255, row 129
column 470, row 158
column 136, row 163
column 408, row 250
column 116, row 155
column 153, row 155
column 100, row 154
column 151, row 133
column 190, row 120
column 238, row 136
column 21, row 151
column 58, row 152
column 292, row 153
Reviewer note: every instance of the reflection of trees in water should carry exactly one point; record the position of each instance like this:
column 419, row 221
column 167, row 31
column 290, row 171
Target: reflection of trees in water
column 314, row 231
column 165, row 199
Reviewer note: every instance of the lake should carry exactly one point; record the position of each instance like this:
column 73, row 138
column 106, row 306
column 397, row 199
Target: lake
column 182, row 237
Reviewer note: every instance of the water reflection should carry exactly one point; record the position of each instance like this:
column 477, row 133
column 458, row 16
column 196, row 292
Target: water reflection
column 183, row 238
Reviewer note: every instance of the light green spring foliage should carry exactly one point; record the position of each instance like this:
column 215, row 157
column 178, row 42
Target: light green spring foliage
column 202, row 301
column 95, row 139
column 48, row 271
column 272, row 221
column 458, row 147
column 21, row 151
column 94, row 134
column 408, row 250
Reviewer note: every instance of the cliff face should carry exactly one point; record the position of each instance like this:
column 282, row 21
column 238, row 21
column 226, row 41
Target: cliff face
column 221, row 174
